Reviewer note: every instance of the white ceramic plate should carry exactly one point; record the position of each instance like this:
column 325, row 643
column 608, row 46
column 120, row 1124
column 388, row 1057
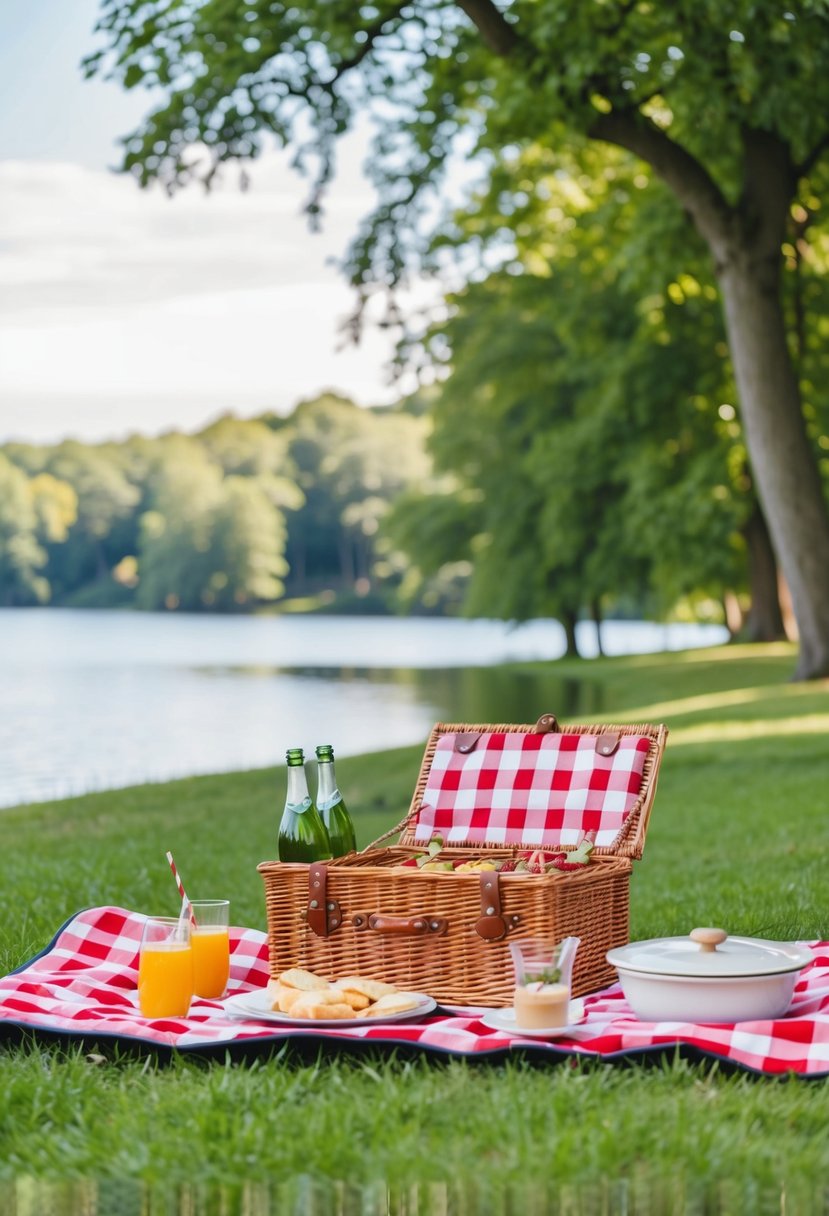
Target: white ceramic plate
column 504, row 1019
column 258, row 1005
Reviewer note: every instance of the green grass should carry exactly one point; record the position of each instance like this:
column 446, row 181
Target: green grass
column 738, row 837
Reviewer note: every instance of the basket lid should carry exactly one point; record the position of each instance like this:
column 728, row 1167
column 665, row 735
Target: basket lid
column 538, row 786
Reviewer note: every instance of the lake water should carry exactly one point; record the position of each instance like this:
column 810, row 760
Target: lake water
column 95, row 700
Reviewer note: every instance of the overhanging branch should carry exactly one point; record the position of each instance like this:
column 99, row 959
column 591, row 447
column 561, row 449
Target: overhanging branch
column 496, row 31
column 805, row 167
column 687, row 177
column 372, row 33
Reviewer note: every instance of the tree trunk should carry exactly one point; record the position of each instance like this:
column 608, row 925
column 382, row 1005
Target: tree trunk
column 733, row 613
column 596, row 613
column 765, row 619
column 568, row 620
column 346, row 554
column 785, row 600
column 745, row 241
column 785, row 470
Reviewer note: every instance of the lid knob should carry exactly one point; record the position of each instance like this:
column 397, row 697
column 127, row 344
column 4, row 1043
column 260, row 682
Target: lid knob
column 708, row 939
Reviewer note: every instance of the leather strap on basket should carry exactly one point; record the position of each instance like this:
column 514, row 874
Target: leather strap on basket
column 467, row 741
column 547, row 724
column 492, row 925
column 401, row 926
column 322, row 915
column 607, row 742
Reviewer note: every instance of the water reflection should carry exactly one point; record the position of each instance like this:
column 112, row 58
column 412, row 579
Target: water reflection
column 508, row 694
column 91, row 701
column 470, row 694
column 645, row 1194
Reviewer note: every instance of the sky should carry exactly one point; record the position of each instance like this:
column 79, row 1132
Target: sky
column 122, row 310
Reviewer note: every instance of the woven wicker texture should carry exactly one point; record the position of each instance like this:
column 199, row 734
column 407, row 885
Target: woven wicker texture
column 426, row 931
column 457, row 966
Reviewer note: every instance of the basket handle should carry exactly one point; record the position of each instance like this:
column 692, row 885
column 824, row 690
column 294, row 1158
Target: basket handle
column 395, row 831
column 401, row 926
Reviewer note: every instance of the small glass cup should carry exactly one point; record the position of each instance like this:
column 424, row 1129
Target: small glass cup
column 165, row 968
column 211, row 947
column 543, row 974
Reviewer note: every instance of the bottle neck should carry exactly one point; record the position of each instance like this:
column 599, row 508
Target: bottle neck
column 297, row 785
column 327, row 792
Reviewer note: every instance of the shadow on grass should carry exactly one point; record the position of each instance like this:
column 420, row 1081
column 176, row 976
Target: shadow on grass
column 316, row 1051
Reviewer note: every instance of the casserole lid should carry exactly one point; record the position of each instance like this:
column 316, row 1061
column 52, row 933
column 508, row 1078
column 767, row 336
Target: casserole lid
column 709, row 953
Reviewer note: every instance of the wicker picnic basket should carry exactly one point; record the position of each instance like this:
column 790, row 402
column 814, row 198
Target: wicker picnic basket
column 493, row 791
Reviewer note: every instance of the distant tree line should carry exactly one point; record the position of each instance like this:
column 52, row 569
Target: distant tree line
column 240, row 515
column 535, row 481
column 553, row 473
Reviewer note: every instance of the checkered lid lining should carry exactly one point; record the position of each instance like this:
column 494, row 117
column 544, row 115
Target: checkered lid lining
column 535, row 790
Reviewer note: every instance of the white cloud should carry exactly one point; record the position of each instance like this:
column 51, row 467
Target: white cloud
column 118, row 305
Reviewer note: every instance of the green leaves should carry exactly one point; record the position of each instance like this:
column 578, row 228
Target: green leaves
column 434, row 847
column 216, row 521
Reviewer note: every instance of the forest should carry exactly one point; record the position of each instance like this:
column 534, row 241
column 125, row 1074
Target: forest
column 544, row 508
column 242, row 515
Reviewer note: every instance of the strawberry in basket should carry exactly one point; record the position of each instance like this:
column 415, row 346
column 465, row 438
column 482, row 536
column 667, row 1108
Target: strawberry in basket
column 542, row 861
column 576, row 858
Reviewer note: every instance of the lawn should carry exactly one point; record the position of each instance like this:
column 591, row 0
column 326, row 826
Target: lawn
column 738, row 838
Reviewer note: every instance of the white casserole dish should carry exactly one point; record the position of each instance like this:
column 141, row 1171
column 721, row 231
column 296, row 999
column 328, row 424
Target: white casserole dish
column 708, row 977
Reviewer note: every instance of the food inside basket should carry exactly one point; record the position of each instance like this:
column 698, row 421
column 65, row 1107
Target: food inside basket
column 522, row 861
column 302, row 994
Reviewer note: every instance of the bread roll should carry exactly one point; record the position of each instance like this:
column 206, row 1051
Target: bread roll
column 317, row 1012
column 331, row 996
column 392, row 1002
column 287, row 999
column 356, row 1000
column 373, row 989
column 304, row 980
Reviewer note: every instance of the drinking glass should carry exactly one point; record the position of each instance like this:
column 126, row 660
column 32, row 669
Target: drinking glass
column 543, row 973
column 165, row 968
column 211, row 946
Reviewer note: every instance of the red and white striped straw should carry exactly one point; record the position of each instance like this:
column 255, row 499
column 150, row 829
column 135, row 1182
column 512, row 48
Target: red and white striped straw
column 185, row 902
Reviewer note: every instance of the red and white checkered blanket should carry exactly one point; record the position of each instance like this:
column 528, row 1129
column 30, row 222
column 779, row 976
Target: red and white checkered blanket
column 531, row 790
column 83, row 986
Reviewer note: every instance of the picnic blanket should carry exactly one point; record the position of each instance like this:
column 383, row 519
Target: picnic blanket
column 83, row 987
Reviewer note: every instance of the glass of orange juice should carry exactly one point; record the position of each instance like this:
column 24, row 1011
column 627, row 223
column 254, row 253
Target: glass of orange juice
column 211, row 947
column 165, row 967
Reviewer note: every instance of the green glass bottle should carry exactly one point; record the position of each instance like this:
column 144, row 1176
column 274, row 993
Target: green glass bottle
column 302, row 835
column 332, row 806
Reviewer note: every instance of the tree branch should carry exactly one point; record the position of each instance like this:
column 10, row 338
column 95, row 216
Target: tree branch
column 809, row 161
column 687, row 177
column 372, row 32
column 497, row 33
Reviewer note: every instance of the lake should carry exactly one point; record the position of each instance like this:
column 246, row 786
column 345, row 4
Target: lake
column 92, row 700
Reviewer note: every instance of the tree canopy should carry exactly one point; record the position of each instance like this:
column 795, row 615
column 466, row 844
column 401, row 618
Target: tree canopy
column 726, row 103
column 236, row 517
